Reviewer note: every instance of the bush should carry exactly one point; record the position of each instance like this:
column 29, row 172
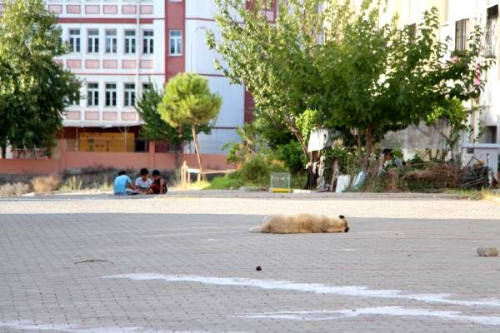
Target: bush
column 293, row 156
column 254, row 173
column 45, row 184
column 14, row 189
column 255, row 170
column 72, row 184
column 228, row 182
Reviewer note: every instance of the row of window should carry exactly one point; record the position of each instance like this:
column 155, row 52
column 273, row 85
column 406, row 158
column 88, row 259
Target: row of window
column 130, row 41
column 111, row 94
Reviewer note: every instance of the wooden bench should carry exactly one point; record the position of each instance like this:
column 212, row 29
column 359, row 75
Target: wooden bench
column 189, row 171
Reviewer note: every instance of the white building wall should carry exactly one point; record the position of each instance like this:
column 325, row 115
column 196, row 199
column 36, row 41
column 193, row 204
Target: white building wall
column 118, row 68
column 199, row 59
column 121, row 68
column 451, row 11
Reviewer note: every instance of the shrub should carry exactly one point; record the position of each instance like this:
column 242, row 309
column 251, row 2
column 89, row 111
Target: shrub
column 45, row 184
column 72, row 184
column 256, row 169
column 14, row 189
column 293, row 157
column 230, row 181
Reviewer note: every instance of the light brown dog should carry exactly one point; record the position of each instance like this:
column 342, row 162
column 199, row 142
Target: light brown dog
column 303, row 223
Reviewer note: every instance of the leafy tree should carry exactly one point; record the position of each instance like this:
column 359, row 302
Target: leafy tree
column 380, row 78
column 34, row 90
column 449, row 122
column 272, row 59
column 188, row 101
column 361, row 78
column 251, row 143
column 154, row 128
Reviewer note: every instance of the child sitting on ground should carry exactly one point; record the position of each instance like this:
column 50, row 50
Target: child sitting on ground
column 159, row 185
column 123, row 184
column 143, row 183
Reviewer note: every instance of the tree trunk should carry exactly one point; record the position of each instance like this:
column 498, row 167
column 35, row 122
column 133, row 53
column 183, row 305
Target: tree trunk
column 302, row 143
column 179, row 146
column 198, row 154
column 360, row 149
column 369, row 148
column 3, row 146
column 291, row 126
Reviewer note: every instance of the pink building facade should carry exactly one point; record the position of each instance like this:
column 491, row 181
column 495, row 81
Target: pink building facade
column 119, row 48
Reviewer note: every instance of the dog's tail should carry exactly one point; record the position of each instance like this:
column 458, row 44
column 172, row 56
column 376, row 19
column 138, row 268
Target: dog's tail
column 260, row 227
column 255, row 229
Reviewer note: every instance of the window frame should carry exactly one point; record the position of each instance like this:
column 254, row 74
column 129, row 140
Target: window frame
column 148, row 41
column 111, row 95
column 129, row 95
column 462, row 34
column 130, row 46
column 93, row 94
column 75, row 41
column 176, row 46
column 111, row 41
column 93, row 41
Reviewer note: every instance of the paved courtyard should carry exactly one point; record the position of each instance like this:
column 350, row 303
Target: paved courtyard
column 187, row 263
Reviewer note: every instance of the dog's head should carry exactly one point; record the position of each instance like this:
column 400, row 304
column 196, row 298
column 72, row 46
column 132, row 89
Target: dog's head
column 336, row 224
column 346, row 228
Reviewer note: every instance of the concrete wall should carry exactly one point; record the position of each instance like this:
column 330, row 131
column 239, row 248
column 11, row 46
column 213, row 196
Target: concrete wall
column 79, row 160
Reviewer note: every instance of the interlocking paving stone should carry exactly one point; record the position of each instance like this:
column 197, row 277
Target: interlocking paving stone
column 415, row 245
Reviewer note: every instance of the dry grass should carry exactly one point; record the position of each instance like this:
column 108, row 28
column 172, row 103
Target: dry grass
column 491, row 196
column 45, row 184
column 192, row 186
column 14, row 189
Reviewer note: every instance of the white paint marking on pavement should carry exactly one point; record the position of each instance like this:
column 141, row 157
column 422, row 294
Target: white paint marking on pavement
column 393, row 311
column 317, row 288
column 37, row 326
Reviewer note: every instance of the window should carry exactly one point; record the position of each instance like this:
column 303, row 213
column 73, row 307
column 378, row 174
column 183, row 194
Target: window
column 461, row 34
column 93, row 94
column 111, row 41
column 148, row 42
column 490, row 134
column 93, row 41
column 175, row 42
column 490, row 40
column 74, row 40
column 129, row 94
column 412, row 32
column 130, row 41
column 111, row 94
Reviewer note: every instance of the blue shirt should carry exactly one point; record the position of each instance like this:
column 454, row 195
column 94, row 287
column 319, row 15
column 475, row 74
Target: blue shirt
column 121, row 184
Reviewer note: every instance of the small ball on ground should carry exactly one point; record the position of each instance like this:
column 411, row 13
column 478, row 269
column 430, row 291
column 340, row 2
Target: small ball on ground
column 258, row 268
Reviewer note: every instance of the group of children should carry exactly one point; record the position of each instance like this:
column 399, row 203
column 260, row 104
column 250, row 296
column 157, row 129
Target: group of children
column 143, row 185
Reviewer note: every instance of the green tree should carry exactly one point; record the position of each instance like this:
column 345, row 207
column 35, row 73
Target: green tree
column 449, row 121
column 154, row 128
column 361, row 78
column 34, row 90
column 376, row 79
column 272, row 59
column 188, row 101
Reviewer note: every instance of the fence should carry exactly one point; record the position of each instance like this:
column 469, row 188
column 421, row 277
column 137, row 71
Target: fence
column 68, row 158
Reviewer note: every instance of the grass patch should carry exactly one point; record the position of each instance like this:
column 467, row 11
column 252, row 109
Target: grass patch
column 228, row 182
column 484, row 194
column 201, row 185
column 45, row 184
column 14, row 189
